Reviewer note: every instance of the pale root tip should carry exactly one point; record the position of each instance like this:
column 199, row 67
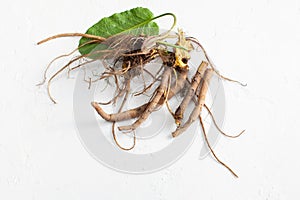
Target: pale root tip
column 175, row 134
column 94, row 104
column 125, row 128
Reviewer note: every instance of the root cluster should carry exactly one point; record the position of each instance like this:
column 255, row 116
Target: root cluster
column 124, row 57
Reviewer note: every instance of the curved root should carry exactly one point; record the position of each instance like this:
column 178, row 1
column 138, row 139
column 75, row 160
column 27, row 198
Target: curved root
column 219, row 129
column 212, row 151
column 211, row 64
column 197, row 110
column 94, row 37
column 127, row 89
column 191, row 91
column 118, row 144
column 152, row 104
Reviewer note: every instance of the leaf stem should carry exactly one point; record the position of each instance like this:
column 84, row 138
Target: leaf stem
column 154, row 18
column 165, row 14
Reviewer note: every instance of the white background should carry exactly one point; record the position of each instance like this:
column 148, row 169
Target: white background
column 256, row 42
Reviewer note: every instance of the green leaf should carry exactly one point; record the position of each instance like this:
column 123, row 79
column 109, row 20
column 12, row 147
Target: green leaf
column 136, row 21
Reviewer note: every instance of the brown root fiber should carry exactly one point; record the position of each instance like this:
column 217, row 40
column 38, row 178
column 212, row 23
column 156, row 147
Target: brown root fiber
column 194, row 40
column 127, row 90
column 198, row 108
column 97, row 38
column 152, row 104
column 136, row 112
column 212, row 151
column 217, row 126
column 191, row 92
column 125, row 59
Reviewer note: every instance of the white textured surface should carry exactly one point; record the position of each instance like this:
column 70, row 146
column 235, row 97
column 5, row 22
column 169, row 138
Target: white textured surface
column 254, row 41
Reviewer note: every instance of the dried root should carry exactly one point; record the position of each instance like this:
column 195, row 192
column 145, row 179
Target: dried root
column 97, row 38
column 136, row 112
column 194, row 40
column 217, row 126
column 127, row 90
column 212, row 151
column 201, row 101
column 191, row 92
column 129, row 55
column 152, row 104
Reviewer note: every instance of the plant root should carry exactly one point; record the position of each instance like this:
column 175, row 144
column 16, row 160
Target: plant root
column 66, row 66
column 125, row 115
column 219, row 129
column 127, row 90
column 118, row 144
column 211, row 64
column 212, row 151
column 125, row 57
column 193, row 87
column 136, row 112
column 152, row 104
column 97, row 38
column 197, row 110
column 58, row 72
column 61, row 56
